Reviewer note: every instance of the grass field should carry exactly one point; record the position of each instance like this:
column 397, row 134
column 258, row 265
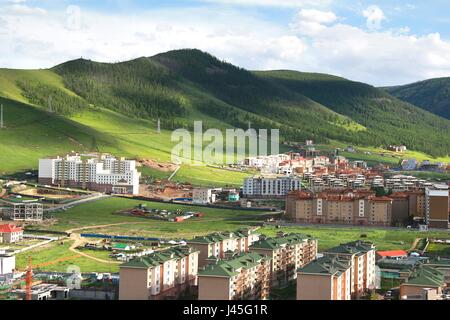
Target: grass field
column 384, row 239
column 441, row 250
column 103, row 213
column 57, row 253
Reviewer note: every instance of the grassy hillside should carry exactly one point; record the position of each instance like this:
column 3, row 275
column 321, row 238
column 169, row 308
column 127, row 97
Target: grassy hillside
column 431, row 95
column 387, row 119
column 114, row 107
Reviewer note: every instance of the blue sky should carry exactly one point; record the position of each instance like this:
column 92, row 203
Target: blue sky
column 381, row 42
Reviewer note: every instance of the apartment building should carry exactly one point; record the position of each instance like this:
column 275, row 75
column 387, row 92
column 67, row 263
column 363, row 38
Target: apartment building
column 287, row 252
column 102, row 173
column 161, row 275
column 242, row 277
column 327, row 278
column 205, row 195
column 24, row 211
column 437, row 206
column 353, row 207
column 270, row 187
column 426, row 283
column 216, row 245
column 361, row 255
column 10, row 233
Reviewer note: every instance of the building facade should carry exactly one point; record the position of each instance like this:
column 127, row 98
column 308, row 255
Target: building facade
column 287, row 252
column 216, row 245
column 104, row 173
column 353, row 207
column 204, row 195
column 24, row 211
column 161, row 275
column 270, row 187
column 242, row 277
column 7, row 262
column 327, row 278
column 10, row 233
column 437, row 206
column 362, row 258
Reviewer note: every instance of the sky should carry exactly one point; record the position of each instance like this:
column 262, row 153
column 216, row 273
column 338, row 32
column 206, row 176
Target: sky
column 380, row 42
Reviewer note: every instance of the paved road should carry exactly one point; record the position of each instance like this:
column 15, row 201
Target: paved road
column 95, row 197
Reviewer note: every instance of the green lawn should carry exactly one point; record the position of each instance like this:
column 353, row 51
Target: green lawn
column 384, row 239
column 436, row 249
column 103, row 213
column 56, row 251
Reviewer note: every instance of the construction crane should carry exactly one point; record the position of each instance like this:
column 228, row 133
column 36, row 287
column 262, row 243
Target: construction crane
column 29, row 279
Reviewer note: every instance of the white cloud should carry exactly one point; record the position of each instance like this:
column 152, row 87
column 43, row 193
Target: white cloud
column 312, row 21
column 374, row 17
column 318, row 41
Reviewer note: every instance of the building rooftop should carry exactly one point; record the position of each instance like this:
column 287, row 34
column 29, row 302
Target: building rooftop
column 275, row 243
column 9, row 228
column 231, row 267
column 326, row 265
column 220, row 236
column 392, row 253
column 426, row 276
column 355, row 247
column 157, row 258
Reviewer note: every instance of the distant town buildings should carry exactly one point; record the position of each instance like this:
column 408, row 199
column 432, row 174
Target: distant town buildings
column 102, row 173
column 160, row 275
column 10, row 233
column 217, row 245
column 270, row 187
column 354, row 207
column 242, row 277
column 401, row 148
column 288, row 252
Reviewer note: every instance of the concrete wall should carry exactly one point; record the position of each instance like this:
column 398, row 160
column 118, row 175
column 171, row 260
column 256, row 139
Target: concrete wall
column 314, row 287
column 134, row 284
column 92, row 295
column 210, row 288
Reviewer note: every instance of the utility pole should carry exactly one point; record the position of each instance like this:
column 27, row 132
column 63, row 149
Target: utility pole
column 1, row 116
column 159, row 126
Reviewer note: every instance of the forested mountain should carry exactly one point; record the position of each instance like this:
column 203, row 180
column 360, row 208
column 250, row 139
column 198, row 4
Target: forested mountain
column 432, row 95
column 186, row 85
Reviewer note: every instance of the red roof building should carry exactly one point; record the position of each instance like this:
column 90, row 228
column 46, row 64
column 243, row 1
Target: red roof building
column 10, row 233
column 392, row 254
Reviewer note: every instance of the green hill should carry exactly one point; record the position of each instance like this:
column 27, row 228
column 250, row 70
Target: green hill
column 431, row 95
column 88, row 106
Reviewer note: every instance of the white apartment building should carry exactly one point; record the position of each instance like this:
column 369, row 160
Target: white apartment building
column 7, row 262
column 267, row 187
column 204, row 195
column 104, row 173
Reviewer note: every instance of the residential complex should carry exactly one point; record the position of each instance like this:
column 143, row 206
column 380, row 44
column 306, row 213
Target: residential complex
column 242, row 277
column 205, row 195
column 217, row 245
column 287, row 252
column 102, row 173
column 270, row 186
column 161, row 275
column 327, row 278
column 361, row 255
column 356, row 207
